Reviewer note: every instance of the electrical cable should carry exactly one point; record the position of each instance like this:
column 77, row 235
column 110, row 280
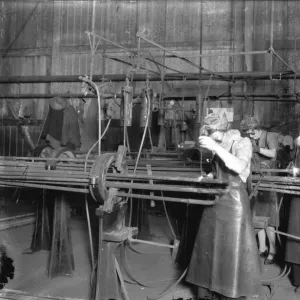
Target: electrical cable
column 170, row 288
column 282, row 275
column 95, row 144
column 140, row 150
column 168, row 219
column 124, row 259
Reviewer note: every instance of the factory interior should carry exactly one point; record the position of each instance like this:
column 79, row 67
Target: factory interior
column 149, row 149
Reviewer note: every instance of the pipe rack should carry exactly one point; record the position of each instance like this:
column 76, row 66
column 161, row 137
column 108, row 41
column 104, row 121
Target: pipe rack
column 78, row 175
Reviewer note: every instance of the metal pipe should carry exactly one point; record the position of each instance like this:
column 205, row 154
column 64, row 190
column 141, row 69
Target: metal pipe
column 276, row 186
column 276, row 179
column 272, row 25
column 161, row 187
column 133, row 240
column 129, row 64
column 173, row 96
column 40, row 186
column 169, row 178
column 29, row 96
column 220, row 54
column 281, row 59
column 108, row 41
column 283, row 191
column 32, row 159
column 259, row 75
column 169, row 199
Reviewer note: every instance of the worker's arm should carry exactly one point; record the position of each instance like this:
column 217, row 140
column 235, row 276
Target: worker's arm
column 232, row 162
column 272, row 145
column 268, row 152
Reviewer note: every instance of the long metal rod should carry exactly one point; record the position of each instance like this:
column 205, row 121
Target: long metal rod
column 40, row 186
column 272, row 25
column 167, row 178
column 161, row 187
column 220, row 54
column 240, row 97
column 137, row 53
column 282, row 60
column 180, row 57
column 168, row 199
column 279, row 186
column 283, row 191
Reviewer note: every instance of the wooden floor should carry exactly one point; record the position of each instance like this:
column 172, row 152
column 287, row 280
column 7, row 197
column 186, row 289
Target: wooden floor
column 154, row 267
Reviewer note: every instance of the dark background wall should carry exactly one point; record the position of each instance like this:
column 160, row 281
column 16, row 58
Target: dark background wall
column 49, row 38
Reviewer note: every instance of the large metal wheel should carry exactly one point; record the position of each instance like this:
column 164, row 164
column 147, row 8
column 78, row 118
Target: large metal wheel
column 98, row 172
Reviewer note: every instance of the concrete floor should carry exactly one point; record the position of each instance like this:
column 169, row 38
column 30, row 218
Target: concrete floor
column 154, row 267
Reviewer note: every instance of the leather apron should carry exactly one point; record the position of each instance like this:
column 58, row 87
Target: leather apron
column 225, row 257
column 266, row 204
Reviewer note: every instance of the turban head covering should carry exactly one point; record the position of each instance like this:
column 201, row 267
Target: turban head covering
column 214, row 122
column 249, row 123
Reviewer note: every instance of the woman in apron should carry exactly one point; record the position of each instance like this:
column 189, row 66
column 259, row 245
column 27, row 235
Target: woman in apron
column 264, row 146
column 225, row 262
column 292, row 255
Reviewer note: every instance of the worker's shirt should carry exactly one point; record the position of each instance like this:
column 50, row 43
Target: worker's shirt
column 240, row 147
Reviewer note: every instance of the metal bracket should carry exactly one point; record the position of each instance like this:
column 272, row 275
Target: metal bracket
column 109, row 203
column 119, row 164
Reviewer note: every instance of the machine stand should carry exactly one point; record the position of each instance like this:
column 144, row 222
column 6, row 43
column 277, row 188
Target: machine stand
column 41, row 239
column 61, row 260
column 112, row 233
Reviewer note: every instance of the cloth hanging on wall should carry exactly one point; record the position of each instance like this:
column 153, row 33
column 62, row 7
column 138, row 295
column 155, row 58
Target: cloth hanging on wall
column 62, row 125
column 54, row 121
column 70, row 128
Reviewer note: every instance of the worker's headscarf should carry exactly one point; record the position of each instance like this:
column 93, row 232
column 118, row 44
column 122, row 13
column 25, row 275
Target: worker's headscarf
column 214, row 122
column 249, row 123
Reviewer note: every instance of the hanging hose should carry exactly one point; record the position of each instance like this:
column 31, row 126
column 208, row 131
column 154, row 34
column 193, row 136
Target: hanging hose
column 168, row 219
column 278, row 211
column 170, row 288
column 95, row 144
column 140, row 150
column 282, row 275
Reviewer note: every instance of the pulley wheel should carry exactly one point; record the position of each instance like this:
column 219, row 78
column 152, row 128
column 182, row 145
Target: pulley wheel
column 98, row 174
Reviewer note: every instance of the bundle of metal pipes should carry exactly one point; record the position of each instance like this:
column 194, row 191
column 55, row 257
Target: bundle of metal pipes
column 97, row 176
column 277, row 180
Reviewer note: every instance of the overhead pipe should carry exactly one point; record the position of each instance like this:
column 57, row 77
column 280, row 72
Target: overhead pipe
column 190, row 96
column 142, row 77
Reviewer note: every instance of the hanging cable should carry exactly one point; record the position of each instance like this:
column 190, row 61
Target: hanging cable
column 95, row 144
column 142, row 143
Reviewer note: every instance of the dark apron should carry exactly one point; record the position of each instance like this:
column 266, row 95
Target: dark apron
column 292, row 254
column 266, row 204
column 292, row 245
column 225, row 257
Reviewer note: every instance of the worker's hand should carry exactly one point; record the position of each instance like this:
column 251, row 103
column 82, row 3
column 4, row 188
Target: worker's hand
column 210, row 175
column 255, row 149
column 207, row 143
